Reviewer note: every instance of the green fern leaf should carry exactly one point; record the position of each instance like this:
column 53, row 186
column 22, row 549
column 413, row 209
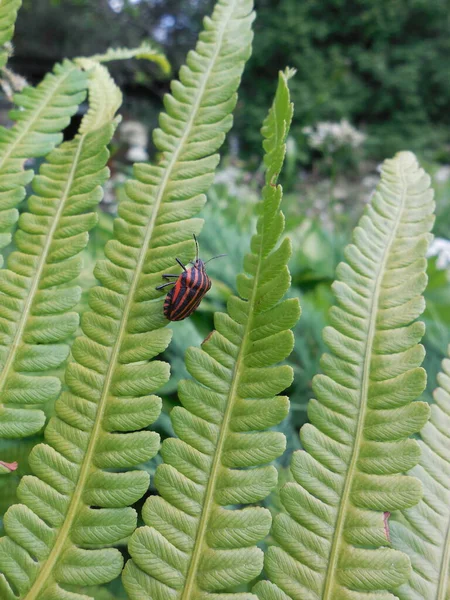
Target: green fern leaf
column 332, row 538
column 112, row 379
column 8, row 15
column 144, row 51
column 44, row 112
column 422, row 532
column 192, row 546
column 36, row 295
column 105, row 98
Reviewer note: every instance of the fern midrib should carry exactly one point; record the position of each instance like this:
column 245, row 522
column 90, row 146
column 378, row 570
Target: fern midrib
column 345, row 499
column 37, row 275
column 191, row 578
column 86, row 464
column 42, row 106
column 31, row 593
column 191, row 583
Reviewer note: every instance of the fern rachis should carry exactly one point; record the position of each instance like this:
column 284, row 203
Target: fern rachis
column 363, row 393
column 35, row 289
column 423, row 531
column 64, row 215
column 193, row 545
column 46, row 110
column 333, row 540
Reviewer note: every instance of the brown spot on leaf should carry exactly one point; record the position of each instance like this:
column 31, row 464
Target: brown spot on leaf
column 208, row 336
column 9, row 466
column 386, row 516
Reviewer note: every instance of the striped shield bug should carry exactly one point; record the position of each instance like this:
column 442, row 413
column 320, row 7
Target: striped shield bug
column 188, row 290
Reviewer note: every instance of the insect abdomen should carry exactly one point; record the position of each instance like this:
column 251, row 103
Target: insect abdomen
column 187, row 294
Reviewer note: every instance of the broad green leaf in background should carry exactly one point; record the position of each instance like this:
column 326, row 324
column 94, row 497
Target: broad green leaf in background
column 333, row 537
column 194, row 546
column 37, row 297
column 423, row 531
column 8, row 14
column 77, row 503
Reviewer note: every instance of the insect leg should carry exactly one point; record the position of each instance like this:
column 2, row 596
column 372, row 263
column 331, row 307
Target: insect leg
column 196, row 247
column 168, row 275
column 181, row 264
column 163, row 285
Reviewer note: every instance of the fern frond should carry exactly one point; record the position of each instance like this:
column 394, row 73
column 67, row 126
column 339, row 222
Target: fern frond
column 423, row 532
column 144, row 51
column 105, row 98
column 8, row 15
column 333, row 537
column 193, row 546
column 36, row 295
column 44, row 112
column 76, row 504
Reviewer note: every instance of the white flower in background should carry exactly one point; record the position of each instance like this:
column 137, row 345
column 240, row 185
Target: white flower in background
column 229, row 176
column 440, row 247
column 109, row 188
column 135, row 135
column 370, row 181
column 137, row 154
column 442, row 174
column 116, row 5
column 10, row 81
column 331, row 136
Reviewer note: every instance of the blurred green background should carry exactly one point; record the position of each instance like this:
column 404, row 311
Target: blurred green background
column 381, row 64
column 372, row 78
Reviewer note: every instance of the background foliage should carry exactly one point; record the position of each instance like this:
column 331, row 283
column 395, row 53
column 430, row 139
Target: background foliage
column 381, row 64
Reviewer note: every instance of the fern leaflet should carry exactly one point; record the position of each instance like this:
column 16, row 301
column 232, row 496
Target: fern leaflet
column 56, row 535
column 144, row 51
column 193, row 547
column 8, row 15
column 35, row 291
column 332, row 539
column 44, row 112
column 423, row 532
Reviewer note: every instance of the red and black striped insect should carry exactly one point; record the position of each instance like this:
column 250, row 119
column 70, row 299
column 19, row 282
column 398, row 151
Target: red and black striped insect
column 189, row 288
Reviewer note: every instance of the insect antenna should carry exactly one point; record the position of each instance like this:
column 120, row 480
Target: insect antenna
column 196, row 247
column 218, row 256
